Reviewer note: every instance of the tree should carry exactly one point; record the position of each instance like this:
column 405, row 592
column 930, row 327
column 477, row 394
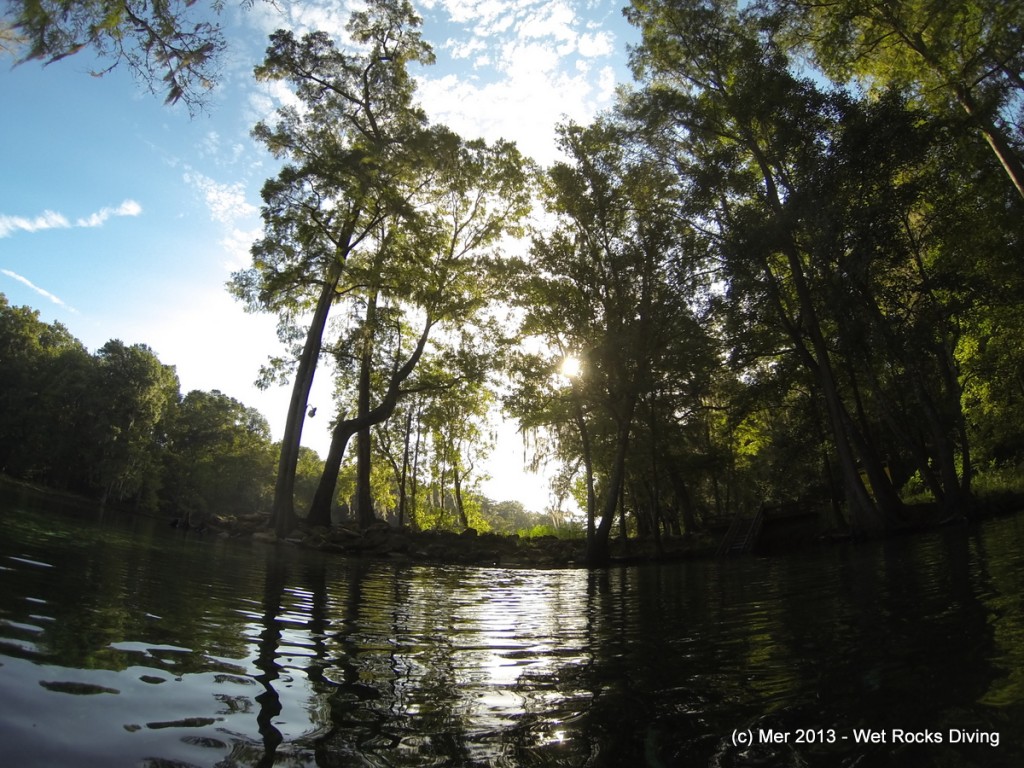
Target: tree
column 44, row 375
column 437, row 266
column 172, row 45
column 966, row 54
column 346, row 172
column 745, row 123
column 218, row 459
column 821, row 208
column 605, row 287
column 132, row 394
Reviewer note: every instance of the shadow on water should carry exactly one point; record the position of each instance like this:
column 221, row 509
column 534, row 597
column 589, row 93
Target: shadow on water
column 126, row 644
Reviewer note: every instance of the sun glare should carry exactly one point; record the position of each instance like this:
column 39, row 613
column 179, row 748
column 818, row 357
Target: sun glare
column 571, row 367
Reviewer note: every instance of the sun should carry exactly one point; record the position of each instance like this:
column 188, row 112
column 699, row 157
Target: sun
column 571, row 367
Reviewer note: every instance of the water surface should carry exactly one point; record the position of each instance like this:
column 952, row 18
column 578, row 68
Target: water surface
column 126, row 643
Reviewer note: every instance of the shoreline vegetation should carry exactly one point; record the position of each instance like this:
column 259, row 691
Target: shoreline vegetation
column 785, row 266
column 790, row 529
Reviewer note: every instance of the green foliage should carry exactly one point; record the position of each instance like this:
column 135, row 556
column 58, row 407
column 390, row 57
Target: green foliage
column 113, row 425
column 218, row 459
column 133, row 393
column 172, row 46
column 953, row 57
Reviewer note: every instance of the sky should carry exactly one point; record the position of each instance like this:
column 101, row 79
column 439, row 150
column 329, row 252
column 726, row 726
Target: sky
column 124, row 218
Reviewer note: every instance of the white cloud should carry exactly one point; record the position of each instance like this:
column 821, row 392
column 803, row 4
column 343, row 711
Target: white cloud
column 535, row 64
column 464, row 49
column 127, row 208
column 237, row 244
column 46, row 220
column 53, row 220
column 41, row 291
column 524, row 107
column 596, row 44
column 549, row 21
column 226, row 202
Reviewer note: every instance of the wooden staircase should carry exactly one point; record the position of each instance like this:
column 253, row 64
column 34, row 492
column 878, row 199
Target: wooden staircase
column 742, row 535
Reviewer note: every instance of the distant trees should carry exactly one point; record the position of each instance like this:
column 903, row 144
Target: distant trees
column 131, row 397
column 218, row 459
column 113, row 425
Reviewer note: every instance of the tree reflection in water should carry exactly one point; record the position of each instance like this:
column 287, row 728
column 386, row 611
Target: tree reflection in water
column 358, row 663
column 266, row 661
column 416, row 666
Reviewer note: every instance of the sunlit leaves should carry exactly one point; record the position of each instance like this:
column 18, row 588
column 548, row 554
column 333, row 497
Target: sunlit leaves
column 173, row 47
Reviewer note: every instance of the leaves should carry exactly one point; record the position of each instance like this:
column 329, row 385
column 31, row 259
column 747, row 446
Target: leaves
column 165, row 44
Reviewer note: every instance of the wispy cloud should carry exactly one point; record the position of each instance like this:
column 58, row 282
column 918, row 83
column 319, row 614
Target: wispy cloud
column 533, row 64
column 127, row 208
column 41, row 291
column 226, row 202
column 53, row 220
column 46, row 220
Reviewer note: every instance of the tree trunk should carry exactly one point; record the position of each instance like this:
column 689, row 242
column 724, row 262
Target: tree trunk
column 283, row 515
column 588, row 464
column 865, row 516
column 459, row 505
column 995, row 138
column 364, row 438
column 598, row 553
column 320, row 510
column 414, row 484
column 683, row 501
column 402, row 496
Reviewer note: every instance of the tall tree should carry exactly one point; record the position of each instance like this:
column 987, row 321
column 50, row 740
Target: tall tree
column 347, row 168
column 603, row 287
column 437, row 266
column 727, row 96
column 814, row 202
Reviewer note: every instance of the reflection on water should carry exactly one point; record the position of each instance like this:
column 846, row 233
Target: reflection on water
column 123, row 643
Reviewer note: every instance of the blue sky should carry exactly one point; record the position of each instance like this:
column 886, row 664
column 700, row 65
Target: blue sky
column 123, row 218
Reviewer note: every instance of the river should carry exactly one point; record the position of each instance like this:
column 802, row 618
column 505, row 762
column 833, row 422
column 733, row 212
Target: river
column 124, row 642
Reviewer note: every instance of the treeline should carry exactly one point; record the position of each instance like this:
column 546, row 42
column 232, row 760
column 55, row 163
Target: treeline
column 787, row 266
column 113, row 425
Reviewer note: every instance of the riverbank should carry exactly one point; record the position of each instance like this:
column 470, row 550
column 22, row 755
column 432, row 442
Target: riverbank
column 382, row 541
column 787, row 533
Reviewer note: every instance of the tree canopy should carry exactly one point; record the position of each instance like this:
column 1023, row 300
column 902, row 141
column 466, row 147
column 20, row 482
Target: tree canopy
column 172, row 46
column 785, row 269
